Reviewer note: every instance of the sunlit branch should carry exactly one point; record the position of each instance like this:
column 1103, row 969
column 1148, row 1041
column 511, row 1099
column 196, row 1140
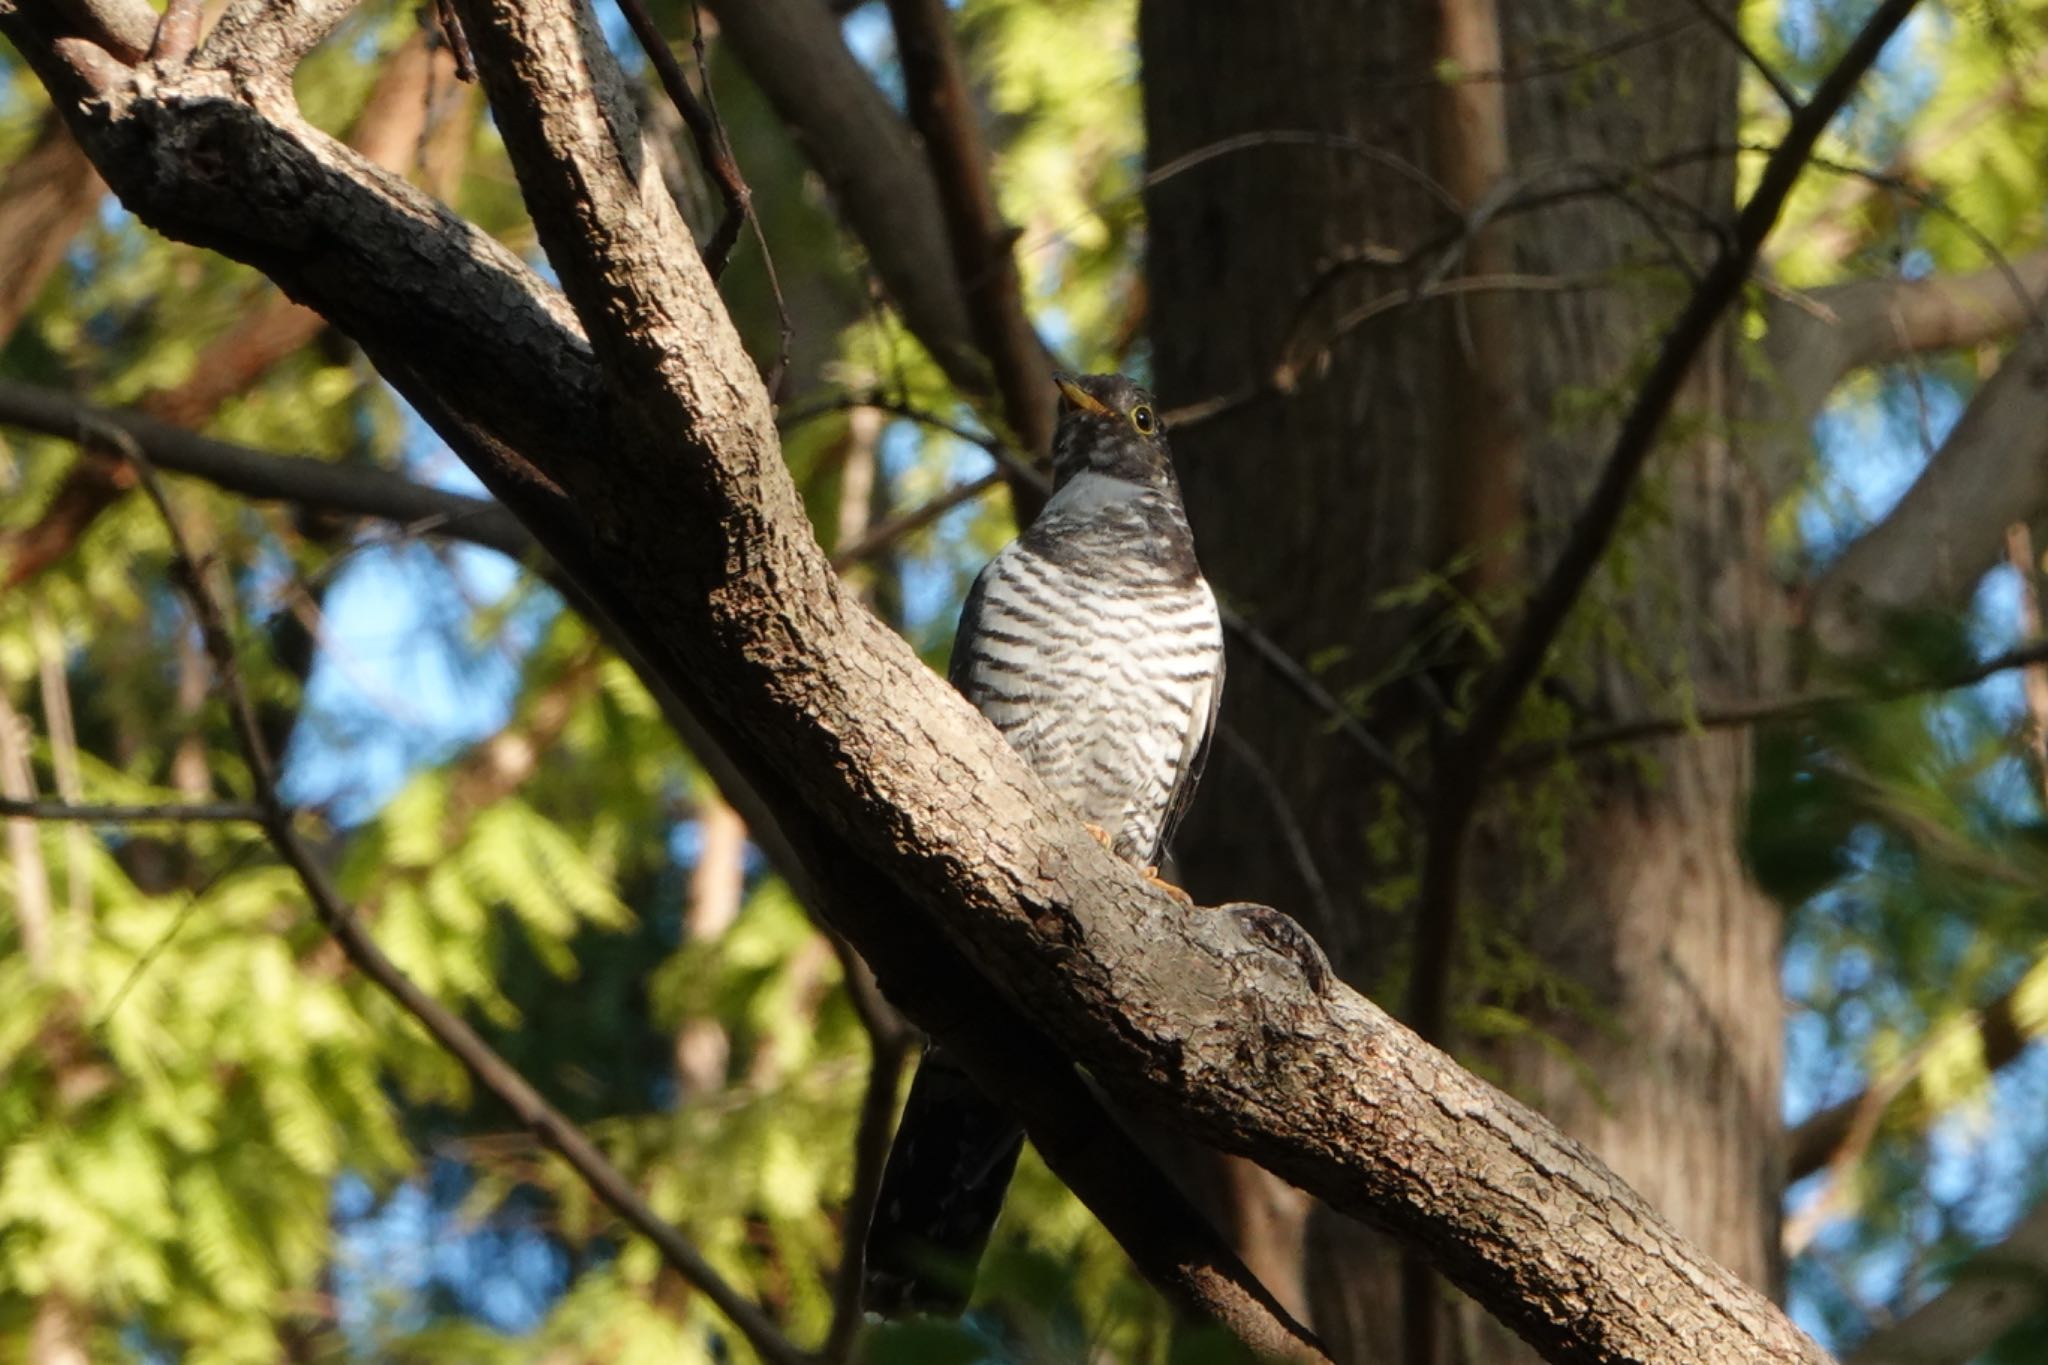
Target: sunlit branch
column 943, row 109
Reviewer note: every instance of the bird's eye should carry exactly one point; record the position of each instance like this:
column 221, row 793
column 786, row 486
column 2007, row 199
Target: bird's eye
column 1143, row 420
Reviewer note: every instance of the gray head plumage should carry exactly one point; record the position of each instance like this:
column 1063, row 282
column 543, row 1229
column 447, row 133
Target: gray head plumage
column 1111, row 426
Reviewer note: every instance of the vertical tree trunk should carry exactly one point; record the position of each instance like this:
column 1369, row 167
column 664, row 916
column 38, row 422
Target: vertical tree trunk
column 1658, row 959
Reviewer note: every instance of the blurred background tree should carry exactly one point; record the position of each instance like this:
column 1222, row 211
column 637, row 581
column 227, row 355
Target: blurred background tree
column 1755, row 909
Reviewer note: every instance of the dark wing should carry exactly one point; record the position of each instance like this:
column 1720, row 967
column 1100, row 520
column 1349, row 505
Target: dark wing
column 965, row 634
column 1190, row 775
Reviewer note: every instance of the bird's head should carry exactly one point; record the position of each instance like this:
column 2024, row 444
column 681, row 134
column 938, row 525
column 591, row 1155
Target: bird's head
column 1110, row 426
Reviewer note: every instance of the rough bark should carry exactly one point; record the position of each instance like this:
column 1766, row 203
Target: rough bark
column 1312, row 506
column 644, row 457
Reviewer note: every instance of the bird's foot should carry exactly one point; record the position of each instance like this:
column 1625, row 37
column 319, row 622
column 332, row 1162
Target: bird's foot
column 1102, row 835
column 1152, row 876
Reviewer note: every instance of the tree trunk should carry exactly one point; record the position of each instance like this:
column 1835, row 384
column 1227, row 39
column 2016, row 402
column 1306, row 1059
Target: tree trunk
column 1654, row 960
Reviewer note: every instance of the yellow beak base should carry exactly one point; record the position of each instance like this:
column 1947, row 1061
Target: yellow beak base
column 1081, row 398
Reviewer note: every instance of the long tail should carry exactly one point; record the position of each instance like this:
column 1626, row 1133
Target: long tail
column 948, row 1169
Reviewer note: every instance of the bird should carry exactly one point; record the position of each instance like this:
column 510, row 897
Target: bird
column 1094, row 645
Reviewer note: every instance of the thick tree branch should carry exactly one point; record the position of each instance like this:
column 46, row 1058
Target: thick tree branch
column 870, row 161
column 1883, row 320
column 1818, row 338
column 657, row 483
column 302, row 480
column 943, row 110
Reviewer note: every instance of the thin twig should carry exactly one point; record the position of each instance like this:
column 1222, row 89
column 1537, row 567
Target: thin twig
column 889, row 1042
column 171, row 931
column 1303, row 137
column 1460, row 774
column 1726, row 26
column 458, row 41
column 1291, row 671
column 882, row 536
column 1284, row 820
column 1761, row 711
column 771, row 375
column 712, row 152
column 455, row 1036
column 162, row 813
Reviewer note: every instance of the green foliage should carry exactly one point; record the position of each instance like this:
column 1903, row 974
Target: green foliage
column 191, row 1068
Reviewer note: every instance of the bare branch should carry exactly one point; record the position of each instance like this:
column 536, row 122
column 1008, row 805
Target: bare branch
column 299, row 479
column 942, row 108
column 1461, row 775
column 2003, row 1034
column 265, row 40
column 170, row 812
column 1988, row 1295
column 886, row 535
column 712, row 151
column 1883, row 320
column 491, row 1071
column 1726, row 24
column 177, row 33
column 870, row 161
column 1762, row 711
column 887, row 1050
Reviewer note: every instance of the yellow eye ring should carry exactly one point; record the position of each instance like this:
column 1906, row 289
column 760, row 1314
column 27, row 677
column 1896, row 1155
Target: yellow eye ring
column 1143, row 420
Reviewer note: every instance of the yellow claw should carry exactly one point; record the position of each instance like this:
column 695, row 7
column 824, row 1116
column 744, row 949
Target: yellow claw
column 1152, row 876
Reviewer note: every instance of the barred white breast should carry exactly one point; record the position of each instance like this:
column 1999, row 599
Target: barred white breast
column 1098, row 662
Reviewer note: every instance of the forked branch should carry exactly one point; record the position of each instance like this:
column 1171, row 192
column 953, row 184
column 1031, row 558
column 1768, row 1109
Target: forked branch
column 626, row 426
column 1461, row 773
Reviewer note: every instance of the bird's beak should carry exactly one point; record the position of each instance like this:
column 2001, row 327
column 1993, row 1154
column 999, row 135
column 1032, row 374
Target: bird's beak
column 1080, row 397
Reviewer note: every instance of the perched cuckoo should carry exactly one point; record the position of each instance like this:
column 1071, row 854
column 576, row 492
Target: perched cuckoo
column 1093, row 643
